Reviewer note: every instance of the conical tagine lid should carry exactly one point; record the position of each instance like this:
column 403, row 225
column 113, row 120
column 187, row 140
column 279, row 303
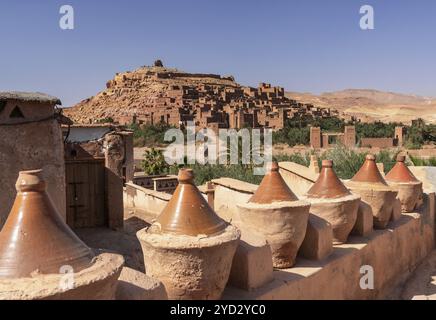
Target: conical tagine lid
column 400, row 172
column 273, row 188
column 328, row 185
column 187, row 212
column 34, row 239
column 369, row 172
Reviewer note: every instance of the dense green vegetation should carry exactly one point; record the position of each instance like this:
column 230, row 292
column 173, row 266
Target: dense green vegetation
column 376, row 130
column 106, row 120
column 420, row 133
column 296, row 131
column 204, row 173
column 149, row 135
column 346, row 163
column 431, row 162
column 154, row 163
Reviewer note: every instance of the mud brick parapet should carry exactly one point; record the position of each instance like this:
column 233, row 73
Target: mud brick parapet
column 137, row 198
column 322, row 269
column 393, row 254
column 299, row 178
column 238, row 191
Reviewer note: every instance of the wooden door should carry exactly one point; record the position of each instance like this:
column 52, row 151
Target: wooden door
column 86, row 193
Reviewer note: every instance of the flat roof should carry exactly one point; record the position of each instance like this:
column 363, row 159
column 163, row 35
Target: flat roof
column 29, row 97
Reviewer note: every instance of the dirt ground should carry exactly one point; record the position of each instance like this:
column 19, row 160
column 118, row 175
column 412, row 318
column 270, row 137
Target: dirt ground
column 123, row 241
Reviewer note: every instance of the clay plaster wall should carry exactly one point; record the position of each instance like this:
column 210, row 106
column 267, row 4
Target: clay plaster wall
column 228, row 194
column 36, row 145
column 299, row 178
column 31, row 111
column 427, row 175
column 392, row 253
column 377, row 142
column 83, row 134
column 145, row 200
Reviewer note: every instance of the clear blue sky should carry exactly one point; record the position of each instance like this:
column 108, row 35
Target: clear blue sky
column 310, row 45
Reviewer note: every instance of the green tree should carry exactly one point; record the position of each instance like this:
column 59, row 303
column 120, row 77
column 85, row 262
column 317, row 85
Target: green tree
column 149, row 135
column 106, row 120
column 415, row 137
column 346, row 161
column 154, row 162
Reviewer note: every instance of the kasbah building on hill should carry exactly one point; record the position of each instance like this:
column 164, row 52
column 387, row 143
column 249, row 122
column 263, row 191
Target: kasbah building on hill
column 78, row 223
column 158, row 95
column 163, row 95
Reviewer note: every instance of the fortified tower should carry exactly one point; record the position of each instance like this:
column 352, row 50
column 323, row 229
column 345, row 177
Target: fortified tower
column 315, row 137
column 399, row 134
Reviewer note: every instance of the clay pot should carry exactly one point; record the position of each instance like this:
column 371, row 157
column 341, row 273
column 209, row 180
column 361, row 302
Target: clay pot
column 369, row 172
column 273, row 188
column 37, row 249
column 282, row 224
column 409, row 187
column 191, row 268
column 188, row 213
column 189, row 248
column 332, row 201
column 98, row 282
column 34, row 238
column 276, row 213
column 373, row 190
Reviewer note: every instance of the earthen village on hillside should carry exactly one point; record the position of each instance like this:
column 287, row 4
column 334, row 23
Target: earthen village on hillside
column 156, row 94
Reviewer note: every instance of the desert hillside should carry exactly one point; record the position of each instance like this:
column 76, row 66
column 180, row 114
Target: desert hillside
column 371, row 105
column 156, row 89
column 140, row 90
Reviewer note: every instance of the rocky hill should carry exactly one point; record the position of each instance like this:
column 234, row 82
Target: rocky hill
column 132, row 92
column 371, row 105
column 160, row 93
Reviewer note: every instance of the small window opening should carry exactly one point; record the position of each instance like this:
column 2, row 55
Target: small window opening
column 332, row 139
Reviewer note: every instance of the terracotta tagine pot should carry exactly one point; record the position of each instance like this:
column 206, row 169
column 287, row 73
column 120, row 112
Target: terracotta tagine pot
column 273, row 188
column 332, row 201
column 374, row 191
column 275, row 212
column 409, row 187
column 34, row 239
column 188, row 213
column 38, row 249
column 189, row 248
